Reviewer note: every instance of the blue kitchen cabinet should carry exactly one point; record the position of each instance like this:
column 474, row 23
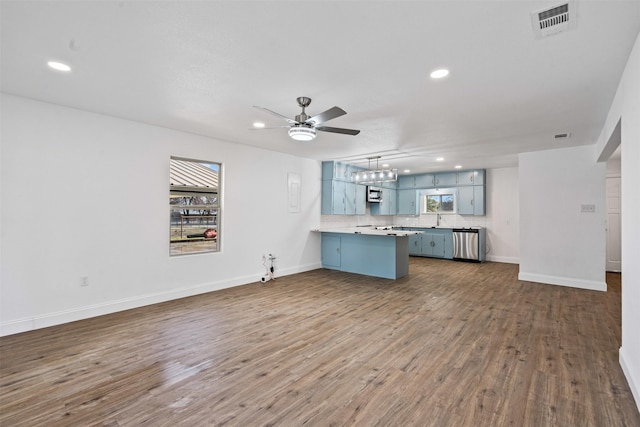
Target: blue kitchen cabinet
column 340, row 196
column 425, row 180
column 415, row 244
column 471, row 177
column 433, row 242
column 335, row 170
column 343, row 198
column 355, row 199
column 479, row 207
column 387, row 206
column 406, row 181
column 383, row 256
column 408, row 203
column 470, row 200
column 464, row 201
column 330, row 251
column 349, row 198
column 446, row 179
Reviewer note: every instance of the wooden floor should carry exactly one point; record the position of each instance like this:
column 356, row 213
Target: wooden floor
column 452, row 344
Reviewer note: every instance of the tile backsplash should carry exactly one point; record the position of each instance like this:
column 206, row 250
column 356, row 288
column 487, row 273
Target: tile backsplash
column 426, row 220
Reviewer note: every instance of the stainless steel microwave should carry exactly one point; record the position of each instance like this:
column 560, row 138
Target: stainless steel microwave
column 374, row 194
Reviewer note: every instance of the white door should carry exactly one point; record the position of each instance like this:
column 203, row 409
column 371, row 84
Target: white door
column 614, row 246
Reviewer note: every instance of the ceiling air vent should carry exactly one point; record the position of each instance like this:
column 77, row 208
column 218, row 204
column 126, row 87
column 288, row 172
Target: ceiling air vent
column 553, row 20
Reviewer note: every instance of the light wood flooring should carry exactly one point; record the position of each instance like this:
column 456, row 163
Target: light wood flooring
column 452, row 344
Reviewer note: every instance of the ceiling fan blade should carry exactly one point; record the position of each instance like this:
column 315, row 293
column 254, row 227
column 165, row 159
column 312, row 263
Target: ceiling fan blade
column 338, row 130
column 271, row 127
column 276, row 114
column 331, row 113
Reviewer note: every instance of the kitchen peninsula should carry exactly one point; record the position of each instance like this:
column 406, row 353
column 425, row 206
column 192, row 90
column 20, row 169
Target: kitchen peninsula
column 372, row 251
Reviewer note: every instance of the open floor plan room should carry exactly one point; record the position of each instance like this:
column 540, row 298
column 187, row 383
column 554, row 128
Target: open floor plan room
column 451, row 344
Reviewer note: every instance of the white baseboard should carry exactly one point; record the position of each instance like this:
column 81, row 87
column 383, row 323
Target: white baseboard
column 505, row 259
column 86, row 312
column 571, row 282
column 633, row 380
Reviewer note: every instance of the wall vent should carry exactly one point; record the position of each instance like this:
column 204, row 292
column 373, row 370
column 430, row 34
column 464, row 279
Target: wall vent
column 554, row 20
column 562, row 135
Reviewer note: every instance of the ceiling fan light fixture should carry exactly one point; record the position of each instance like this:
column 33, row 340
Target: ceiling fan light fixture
column 302, row 133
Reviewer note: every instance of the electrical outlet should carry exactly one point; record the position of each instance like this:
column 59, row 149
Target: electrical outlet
column 588, row 208
column 84, row 281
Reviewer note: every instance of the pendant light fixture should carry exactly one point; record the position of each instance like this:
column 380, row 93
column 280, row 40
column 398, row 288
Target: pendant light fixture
column 371, row 176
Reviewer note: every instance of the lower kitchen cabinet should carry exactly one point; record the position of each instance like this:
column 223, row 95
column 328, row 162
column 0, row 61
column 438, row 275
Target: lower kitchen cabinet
column 372, row 255
column 415, row 245
column 330, row 250
column 433, row 242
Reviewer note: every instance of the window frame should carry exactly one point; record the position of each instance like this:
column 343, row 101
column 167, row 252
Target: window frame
column 425, row 203
column 199, row 245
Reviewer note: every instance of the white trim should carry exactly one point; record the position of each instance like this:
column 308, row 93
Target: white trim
column 626, row 369
column 65, row 316
column 505, row 259
column 571, row 282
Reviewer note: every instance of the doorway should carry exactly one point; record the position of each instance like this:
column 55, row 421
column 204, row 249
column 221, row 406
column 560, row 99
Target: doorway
column 613, row 206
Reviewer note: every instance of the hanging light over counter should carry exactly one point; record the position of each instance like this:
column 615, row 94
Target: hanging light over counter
column 371, row 176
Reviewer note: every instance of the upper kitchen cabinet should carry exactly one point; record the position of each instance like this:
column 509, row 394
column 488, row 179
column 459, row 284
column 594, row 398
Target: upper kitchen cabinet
column 406, row 181
column 425, row 180
column 335, row 170
column 388, row 204
column 340, row 196
column 470, row 200
column 445, row 179
column 408, row 202
column 473, row 177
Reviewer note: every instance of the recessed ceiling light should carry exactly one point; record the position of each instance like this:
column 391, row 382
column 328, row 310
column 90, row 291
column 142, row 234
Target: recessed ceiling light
column 440, row 159
column 458, row 167
column 258, row 125
column 385, row 165
column 58, row 66
column 407, row 170
column 438, row 74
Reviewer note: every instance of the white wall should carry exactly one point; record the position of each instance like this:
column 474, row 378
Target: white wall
column 87, row 195
column 501, row 219
column 626, row 106
column 559, row 244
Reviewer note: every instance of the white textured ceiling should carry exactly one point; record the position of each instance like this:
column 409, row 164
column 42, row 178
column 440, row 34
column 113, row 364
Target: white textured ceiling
column 200, row 66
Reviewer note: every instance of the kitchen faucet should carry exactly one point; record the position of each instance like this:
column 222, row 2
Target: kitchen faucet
column 438, row 218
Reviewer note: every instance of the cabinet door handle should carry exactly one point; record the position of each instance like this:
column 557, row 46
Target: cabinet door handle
column 338, row 250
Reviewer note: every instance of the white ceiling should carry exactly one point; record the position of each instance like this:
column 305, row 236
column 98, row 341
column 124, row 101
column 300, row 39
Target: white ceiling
column 200, row 66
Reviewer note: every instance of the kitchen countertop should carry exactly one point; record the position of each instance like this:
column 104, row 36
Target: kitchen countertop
column 372, row 231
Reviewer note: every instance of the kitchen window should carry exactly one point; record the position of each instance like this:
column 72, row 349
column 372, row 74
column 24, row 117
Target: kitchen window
column 439, row 203
column 194, row 205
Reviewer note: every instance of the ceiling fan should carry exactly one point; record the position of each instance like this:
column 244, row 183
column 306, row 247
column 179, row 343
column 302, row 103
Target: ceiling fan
column 303, row 127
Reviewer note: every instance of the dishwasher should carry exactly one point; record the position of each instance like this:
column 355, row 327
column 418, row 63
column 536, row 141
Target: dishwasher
column 468, row 244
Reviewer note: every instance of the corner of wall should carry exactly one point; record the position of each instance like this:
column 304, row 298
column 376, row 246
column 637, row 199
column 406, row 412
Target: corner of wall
column 630, row 373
